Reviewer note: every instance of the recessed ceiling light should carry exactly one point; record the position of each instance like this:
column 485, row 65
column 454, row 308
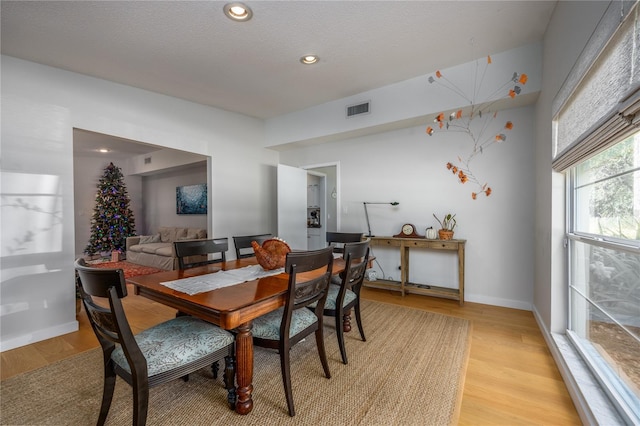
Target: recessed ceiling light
column 103, row 150
column 309, row 59
column 238, row 11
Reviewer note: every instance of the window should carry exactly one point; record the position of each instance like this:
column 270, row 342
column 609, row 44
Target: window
column 597, row 147
column 604, row 265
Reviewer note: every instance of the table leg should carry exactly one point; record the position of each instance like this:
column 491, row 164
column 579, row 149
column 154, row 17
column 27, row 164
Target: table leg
column 244, row 368
column 346, row 321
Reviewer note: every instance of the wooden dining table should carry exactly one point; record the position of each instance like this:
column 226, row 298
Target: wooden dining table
column 232, row 307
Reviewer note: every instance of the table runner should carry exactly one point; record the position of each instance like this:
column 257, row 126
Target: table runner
column 216, row 280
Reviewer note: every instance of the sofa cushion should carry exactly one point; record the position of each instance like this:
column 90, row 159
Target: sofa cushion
column 196, row 234
column 167, row 235
column 153, row 248
column 181, row 233
column 167, row 250
column 147, row 239
column 136, row 248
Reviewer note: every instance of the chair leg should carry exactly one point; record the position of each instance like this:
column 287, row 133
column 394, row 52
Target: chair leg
column 285, row 366
column 359, row 320
column 215, row 367
column 140, row 401
column 340, row 334
column 107, row 393
column 321, row 351
column 229, row 380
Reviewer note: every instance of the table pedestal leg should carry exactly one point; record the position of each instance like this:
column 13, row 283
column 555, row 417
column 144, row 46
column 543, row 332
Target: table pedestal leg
column 346, row 321
column 244, row 368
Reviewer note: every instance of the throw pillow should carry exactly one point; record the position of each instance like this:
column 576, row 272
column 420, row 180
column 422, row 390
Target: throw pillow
column 148, row 239
column 167, row 235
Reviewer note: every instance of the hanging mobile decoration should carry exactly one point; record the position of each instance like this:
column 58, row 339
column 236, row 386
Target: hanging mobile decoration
column 478, row 114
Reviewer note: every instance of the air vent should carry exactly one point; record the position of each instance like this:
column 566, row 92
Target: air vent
column 359, row 109
column 147, row 160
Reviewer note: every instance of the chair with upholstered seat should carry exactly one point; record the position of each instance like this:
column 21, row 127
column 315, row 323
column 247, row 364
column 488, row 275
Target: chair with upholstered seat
column 159, row 354
column 346, row 296
column 337, row 240
column 189, row 250
column 243, row 244
column 283, row 328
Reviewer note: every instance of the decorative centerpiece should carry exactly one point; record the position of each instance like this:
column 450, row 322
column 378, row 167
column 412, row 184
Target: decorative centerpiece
column 447, row 225
column 272, row 254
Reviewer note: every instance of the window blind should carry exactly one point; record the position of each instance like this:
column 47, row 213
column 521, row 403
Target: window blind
column 602, row 109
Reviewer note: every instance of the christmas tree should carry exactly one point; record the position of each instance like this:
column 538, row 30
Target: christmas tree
column 112, row 220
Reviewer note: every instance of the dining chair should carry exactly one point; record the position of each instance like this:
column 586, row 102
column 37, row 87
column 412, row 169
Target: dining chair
column 159, row 354
column 243, row 244
column 200, row 248
column 286, row 326
column 342, row 298
column 337, row 240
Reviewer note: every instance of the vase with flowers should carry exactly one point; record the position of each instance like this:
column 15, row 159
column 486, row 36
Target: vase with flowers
column 447, row 225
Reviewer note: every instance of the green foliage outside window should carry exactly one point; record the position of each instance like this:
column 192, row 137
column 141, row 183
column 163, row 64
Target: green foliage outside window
column 612, row 184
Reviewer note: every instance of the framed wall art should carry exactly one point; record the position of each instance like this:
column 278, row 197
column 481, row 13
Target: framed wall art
column 191, row 199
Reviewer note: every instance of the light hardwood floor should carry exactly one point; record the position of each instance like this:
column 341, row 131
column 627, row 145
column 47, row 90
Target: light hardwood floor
column 511, row 377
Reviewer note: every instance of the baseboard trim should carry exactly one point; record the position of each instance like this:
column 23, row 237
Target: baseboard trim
column 39, row 335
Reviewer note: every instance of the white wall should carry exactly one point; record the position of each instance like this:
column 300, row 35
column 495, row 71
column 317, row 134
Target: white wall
column 408, row 166
column 571, row 25
column 40, row 107
column 159, row 195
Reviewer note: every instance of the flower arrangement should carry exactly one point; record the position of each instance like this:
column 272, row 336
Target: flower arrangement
column 448, row 222
column 461, row 121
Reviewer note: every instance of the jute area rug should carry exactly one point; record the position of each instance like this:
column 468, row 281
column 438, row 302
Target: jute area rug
column 410, row 371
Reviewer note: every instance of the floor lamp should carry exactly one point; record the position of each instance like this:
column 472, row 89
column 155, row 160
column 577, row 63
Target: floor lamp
column 366, row 213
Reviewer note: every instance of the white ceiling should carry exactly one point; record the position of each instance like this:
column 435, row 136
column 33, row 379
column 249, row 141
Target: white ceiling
column 190, row 50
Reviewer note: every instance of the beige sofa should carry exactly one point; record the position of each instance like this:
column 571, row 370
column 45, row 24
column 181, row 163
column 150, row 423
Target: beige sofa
column 157, row 250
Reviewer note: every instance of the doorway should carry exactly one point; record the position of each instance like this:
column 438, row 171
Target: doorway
column 332, row 198
column 147, row 191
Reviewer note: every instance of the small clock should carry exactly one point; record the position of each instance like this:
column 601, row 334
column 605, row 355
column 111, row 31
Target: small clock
column 407, row 231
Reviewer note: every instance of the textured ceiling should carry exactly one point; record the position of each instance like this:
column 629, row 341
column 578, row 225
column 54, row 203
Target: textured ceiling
column 190, row 50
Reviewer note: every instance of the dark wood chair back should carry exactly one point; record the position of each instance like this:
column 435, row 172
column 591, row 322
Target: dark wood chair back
column 309, row 278
column 243, row 244
column 192, row 253
column 124, row 354
column 337, row 240
column 303, row 292
column 356, row 257
column 344, row 297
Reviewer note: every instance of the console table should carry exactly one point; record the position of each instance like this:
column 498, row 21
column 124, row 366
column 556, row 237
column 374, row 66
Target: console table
column 405, row 286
